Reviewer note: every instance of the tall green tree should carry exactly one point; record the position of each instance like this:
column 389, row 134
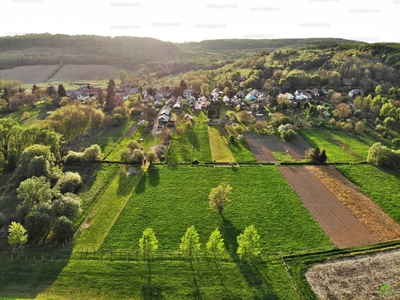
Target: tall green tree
column 17, row 236
column 249, row 244
column 9, row 133
column 218, row 197
column 190, row 244
column 215, row 244
column 148, row 244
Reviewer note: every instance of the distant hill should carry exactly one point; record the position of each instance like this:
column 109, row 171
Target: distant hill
column 148, row 55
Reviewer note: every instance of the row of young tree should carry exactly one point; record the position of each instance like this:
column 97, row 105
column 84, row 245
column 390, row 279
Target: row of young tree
column 248, row 244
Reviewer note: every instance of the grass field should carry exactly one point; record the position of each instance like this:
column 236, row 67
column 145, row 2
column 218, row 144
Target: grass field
column 322, row 139
column 165, row 195
column 193, row 144
column 382, row 186
column 260, row 196
column 360, row 144
column 241, row 151
column 219, row 146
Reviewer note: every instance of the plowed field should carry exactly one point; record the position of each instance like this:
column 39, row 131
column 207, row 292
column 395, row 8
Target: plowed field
column 334, row 218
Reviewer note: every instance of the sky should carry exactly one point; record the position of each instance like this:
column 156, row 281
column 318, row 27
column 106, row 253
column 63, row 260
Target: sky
column 183, row 21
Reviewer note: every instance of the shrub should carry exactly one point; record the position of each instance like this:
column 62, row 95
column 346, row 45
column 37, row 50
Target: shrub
column 68, row 205
column 288, row 135
column 396, row 142
column 63, row 229
column 92, row 153
column 117, row 120
column 69, row 182
column 383, row 156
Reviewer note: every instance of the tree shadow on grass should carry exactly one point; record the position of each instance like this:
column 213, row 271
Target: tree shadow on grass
column 31, row 272
column 254, row 278
column 141, row 186
column 154, row 175
column 152, row 292
column 196, row 294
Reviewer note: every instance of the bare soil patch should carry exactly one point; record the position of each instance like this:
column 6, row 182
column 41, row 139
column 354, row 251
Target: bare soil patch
column 372, row 276
column 85, row 72
column 377, row 222
column 334, row 218
column 28, row 74
column 262, row 146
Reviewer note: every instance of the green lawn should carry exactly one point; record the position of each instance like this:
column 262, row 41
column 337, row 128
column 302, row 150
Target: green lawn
column 360, row 144
column 219, row 146
column 193, row 144
column 382, row 186
column 322, row 139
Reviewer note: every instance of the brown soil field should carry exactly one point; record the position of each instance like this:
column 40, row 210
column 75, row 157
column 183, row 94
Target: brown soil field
column 28, row 74
column 377, row 222
column 262, row 146
column 85, row 72
column 334, row 218
column 371, row 276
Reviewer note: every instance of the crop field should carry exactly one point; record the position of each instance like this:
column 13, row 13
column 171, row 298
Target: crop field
column 335, row 151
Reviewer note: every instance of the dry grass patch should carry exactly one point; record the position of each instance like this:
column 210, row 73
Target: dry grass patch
column 377, row 222
column 372, row 276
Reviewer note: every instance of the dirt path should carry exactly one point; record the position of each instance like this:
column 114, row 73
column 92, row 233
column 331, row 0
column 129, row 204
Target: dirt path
column 262, row 146
column 334, row 218
column 378, row 223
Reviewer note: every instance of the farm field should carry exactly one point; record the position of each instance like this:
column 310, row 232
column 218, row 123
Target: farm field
column 377, row 222
column 372, row 276
column 28, row 74
column 85, row 72
column 334, row 218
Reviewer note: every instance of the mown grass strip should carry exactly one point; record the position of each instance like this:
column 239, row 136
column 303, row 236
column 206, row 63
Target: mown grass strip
column 106, row 211
column 219, row 146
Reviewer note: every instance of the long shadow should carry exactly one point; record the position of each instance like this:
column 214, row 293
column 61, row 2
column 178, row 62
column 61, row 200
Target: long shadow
column 141, row 186
column 222, row 280
column 154, row 175
column 30, row 273
column 152, row 292
column 254, row 278
column 197, row 294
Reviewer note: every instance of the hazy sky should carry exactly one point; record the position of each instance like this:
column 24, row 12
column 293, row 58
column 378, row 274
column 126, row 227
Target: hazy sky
column 180, row 21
